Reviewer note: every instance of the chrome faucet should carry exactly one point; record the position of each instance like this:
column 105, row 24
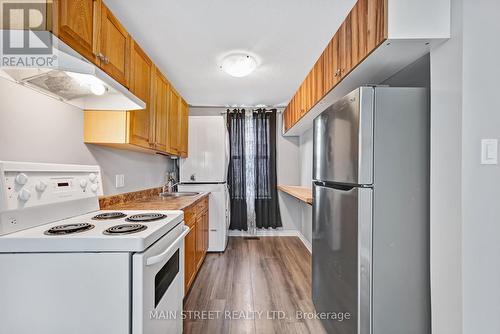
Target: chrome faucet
column 169, row 186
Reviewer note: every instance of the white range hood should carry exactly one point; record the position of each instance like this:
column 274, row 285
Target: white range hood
column 66, row 75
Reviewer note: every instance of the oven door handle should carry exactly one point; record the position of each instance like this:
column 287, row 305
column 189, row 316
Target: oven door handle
column 161, row 257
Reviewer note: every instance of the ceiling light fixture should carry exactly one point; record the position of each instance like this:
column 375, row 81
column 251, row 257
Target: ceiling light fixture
column 238, row 64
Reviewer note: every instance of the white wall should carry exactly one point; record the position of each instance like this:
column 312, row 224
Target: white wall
column 306, row 165
column 446, row 161
column 288, row 170
column 480, row 183
column 37, row 128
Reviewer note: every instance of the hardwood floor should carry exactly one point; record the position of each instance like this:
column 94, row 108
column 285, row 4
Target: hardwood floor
column 256, row 286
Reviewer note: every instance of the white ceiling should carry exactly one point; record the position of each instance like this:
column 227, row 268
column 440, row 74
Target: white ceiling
column 187, row 39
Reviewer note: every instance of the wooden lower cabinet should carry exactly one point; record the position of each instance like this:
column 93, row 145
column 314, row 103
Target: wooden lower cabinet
column 196, row 241
column 190, row 268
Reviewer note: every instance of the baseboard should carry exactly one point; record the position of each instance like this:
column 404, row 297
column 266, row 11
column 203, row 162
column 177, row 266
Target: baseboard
column 274, row 233
column 305, row 241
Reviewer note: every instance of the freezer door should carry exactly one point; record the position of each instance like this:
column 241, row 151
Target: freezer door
column 208, row 151
column 342, row 251
column 343, row 140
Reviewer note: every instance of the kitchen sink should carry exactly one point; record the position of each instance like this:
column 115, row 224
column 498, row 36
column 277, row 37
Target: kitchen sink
column 178, row 194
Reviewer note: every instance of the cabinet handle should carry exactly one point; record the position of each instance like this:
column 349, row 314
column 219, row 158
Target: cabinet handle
column 100, row 56
column 106, row 60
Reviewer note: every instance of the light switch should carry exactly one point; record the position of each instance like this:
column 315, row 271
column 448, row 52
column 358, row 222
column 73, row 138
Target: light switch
column 489, row 151
column 120, row 180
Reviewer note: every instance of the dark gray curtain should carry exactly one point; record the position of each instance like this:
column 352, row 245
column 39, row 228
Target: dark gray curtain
column 236, row 178
column 267, row 213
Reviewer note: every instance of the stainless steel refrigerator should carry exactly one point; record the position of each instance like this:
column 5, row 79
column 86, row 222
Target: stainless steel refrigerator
column 370, row 245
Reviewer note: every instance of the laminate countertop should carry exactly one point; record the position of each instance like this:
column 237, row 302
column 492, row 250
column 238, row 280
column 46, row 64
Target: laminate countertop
column 153, row 202
column 301, row 193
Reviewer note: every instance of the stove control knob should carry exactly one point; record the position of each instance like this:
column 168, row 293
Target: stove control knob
column 21, row 179
column 24, row 195
column 92, row 177
column 94, row 188
column 83, row 183
column 41, row 186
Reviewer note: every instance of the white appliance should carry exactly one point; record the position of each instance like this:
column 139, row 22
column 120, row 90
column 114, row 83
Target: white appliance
column 205, row 169
column 69, row 268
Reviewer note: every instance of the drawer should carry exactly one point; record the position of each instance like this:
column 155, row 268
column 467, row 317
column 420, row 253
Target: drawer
column 202, row 206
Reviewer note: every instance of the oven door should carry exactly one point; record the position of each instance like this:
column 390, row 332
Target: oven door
column 158, row 285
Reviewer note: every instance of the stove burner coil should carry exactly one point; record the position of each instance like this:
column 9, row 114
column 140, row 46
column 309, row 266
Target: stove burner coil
column 125, row 229
column 109, row 215
column 145, row 217
column 69, row 229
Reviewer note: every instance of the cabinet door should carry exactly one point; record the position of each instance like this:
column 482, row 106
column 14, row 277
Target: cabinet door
column 141, row 130
column 376, row 23
column 174, row 121
column 297, row 106
column 345, row 47
column 306, row 93
column 184, row 128
column 317, row 84
column 331, row 65
column 162, row 87
column 199, row 240
column 114, row 47
column 76, row 23
column 189, row 259
column 206, row 230
column 359, row 30
column 286, row 118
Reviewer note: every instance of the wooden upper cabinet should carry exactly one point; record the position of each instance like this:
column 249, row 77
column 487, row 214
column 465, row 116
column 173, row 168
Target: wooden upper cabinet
column 141, row 76
column 114, row 49
column 184, row 124
column 161, row 92
column 317, row 84
column 359, row 29
column 76, row 23
column 91, row 29
column 345, row 49
column 174, row 121
column 331, row 65
column 362, row 31
column 376, row 23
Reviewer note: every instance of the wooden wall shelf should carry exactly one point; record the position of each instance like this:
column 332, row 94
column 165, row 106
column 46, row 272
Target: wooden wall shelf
column 303, row 194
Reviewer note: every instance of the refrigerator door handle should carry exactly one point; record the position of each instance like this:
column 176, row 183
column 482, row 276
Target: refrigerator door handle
column 337, row 186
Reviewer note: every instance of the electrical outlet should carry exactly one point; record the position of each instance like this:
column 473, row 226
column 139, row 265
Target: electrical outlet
column 120, row 180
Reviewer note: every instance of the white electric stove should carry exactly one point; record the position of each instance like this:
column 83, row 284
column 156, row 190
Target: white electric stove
column 67, row 267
